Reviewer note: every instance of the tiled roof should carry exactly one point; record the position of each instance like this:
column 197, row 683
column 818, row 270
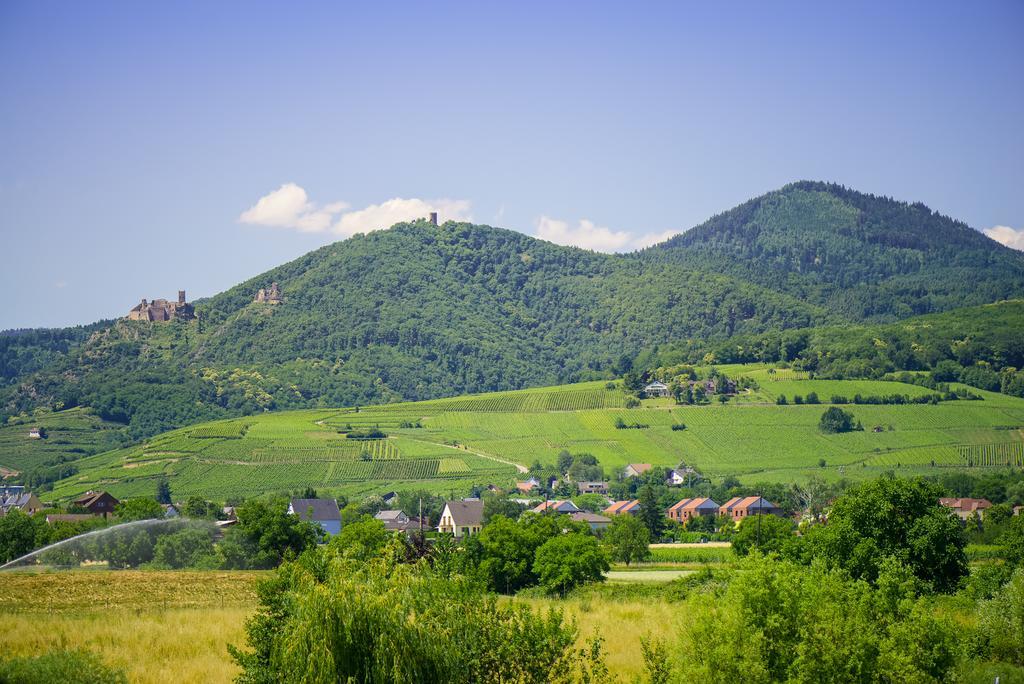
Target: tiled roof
column 466, row 513
column 584, row 516
column 622, row 507
column 321, row 509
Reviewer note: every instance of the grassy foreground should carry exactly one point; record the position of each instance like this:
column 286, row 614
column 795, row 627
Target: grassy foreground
column 156, row 626
column 175, row 626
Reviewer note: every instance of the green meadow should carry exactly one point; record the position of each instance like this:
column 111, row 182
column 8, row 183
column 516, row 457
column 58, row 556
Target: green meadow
column 448, row 445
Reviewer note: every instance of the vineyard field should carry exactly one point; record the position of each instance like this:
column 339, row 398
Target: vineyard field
column 448, row 445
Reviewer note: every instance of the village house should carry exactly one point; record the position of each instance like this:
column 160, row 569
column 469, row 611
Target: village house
column 462, row 518
column 680, row 476
column 15, row 497
column 595, row 521
column 556, row 507
column 688, row 509
column 36, row 433
column 965, row 509
column 623, row 508
column 636, row 469
column 528, row 485
column 740, row 507
column 97, row 503
column 656, row 389
column 398, row 521
column 323, row 512
column 592, row 487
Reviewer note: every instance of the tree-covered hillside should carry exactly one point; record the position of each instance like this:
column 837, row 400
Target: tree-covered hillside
column 982, row 346
column 863, row 256
column 414, row 312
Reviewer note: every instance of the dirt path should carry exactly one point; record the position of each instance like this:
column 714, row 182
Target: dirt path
column 520, row 468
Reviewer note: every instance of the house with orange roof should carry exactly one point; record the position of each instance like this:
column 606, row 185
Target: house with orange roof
column 623, row 508
column 740, row 507
column 687, row 509
column 965, row 508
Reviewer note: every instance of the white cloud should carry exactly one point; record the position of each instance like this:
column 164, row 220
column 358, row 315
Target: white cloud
column 585, row 234
column 654, row 238
column 289, row 207
column 1013, row 239
column 588, row 235
column 386, row 214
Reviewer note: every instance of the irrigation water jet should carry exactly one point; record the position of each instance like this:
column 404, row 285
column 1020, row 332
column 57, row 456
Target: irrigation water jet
column 140, row 524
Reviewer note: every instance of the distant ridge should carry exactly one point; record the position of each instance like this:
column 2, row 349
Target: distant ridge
column 422, row 311
column 864, row 256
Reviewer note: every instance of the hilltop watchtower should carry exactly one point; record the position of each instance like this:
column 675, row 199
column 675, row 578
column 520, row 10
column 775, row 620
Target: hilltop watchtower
column 433, row 217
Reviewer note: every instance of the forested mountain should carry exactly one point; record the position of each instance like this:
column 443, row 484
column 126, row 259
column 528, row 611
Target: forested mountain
column 863, row 256
column 421, row 311
column 414, row 312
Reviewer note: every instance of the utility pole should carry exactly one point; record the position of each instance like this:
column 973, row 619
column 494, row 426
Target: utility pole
column 759, row 500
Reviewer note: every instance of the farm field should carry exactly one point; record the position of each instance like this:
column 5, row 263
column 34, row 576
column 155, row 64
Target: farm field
column 449, row 445
column 176, row 625
column 156, row 626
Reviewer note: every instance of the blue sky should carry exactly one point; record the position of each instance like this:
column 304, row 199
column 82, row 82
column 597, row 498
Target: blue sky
column 137, row 139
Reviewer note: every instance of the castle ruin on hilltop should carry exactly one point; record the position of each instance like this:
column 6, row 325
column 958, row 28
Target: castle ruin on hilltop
column 269, row 296
column 162, row 310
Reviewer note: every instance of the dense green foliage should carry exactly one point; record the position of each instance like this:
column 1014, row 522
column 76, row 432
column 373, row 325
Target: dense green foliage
column 981, row 346
column 892, row 519
column 627, row 539
column 569, row 560
column 764, row 533
column 864, row 256
column 325, row 619
column 784, row 623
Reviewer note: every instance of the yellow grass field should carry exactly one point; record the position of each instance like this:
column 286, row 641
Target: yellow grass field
column 156, row 626
column 175, row 626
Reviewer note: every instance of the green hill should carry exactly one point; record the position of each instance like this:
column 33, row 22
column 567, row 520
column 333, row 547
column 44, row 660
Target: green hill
column 863, row 256
column 421, row 311
column 447, row 445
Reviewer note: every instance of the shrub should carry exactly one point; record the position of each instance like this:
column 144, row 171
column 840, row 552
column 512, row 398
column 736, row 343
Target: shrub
column 766, row 533
column 322, row 619
column 784, row 623
column 835, row 420
column 67, row 667
column 569, row 560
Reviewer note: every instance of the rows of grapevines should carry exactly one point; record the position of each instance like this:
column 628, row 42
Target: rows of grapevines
column 1006, row 454
column 234, row 429
column 452, row 466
